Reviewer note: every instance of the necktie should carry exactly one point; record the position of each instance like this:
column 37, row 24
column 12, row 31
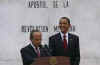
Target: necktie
column 65, row 41
column 38, row 53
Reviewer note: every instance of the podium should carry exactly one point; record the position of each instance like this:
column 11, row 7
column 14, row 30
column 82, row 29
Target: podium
column 52, row 60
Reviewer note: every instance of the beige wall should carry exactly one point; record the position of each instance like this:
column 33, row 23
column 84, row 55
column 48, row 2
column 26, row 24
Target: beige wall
column 84, row 15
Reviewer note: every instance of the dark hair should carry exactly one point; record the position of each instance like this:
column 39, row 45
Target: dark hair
column 66, row 19
column 31, row 33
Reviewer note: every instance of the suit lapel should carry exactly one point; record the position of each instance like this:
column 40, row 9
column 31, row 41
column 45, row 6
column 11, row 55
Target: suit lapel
column 69, row 40
column 32, row 49
column 59, row 40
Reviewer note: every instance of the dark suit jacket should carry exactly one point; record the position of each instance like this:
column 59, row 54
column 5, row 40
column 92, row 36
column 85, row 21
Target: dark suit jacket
column 56, row 46
column 28, row 54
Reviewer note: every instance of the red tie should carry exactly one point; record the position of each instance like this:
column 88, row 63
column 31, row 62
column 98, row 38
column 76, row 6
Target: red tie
column 38, row 53
column 65, row 41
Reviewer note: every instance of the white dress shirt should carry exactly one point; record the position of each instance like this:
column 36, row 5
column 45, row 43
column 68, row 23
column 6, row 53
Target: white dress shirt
column 63, row 35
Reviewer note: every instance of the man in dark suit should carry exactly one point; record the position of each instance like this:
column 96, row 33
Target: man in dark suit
column 34, row 49
column 65, row 43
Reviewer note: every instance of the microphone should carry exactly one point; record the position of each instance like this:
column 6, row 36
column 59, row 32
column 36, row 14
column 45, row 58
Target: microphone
column 40, row 46
column 47, row 49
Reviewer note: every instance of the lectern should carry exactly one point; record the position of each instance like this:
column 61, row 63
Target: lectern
column 52, row 60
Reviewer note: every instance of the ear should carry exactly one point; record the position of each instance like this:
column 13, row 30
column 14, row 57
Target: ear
column 70, row 25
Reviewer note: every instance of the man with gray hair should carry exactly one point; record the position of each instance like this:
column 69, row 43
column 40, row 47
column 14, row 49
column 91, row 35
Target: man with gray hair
column 34, row 49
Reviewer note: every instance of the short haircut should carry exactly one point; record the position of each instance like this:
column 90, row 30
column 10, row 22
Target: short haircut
column 66, row 19
column 31, row 33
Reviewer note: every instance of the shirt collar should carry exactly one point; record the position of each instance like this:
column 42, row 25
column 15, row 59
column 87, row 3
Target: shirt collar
column 63, row 34
column 34, row 46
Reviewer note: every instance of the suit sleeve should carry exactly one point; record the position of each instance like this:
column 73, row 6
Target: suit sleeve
column 26, row 57
column 52, row 46
column 76, row 52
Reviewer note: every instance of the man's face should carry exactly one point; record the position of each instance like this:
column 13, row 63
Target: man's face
column 36, row 38
column 64, row 25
